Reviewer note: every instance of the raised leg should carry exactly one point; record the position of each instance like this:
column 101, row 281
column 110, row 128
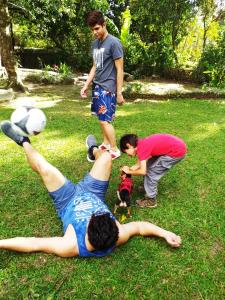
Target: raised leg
column 102, row 167
column 51, row 176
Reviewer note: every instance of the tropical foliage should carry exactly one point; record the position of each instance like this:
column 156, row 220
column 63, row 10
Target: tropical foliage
column 212, row 63
column 157, row 35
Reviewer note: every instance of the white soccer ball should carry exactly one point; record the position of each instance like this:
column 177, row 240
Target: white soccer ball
column 28, row 120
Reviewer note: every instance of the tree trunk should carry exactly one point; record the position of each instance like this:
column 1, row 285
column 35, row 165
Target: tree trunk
column 6, row 49
column 204, row 33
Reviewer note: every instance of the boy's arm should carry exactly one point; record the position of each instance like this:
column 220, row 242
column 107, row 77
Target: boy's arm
column 119, row 80
column 65, row 246
column 139, row 171
column 126, row 231
column 136, row 166
column 90, row 78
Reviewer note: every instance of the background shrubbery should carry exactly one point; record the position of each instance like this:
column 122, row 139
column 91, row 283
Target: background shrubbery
column 211, row 68
column 182, row 40
column 58, row 74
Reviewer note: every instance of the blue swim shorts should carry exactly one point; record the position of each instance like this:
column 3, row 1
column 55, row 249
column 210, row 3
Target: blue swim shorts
column 103, row 103
column 62, row 197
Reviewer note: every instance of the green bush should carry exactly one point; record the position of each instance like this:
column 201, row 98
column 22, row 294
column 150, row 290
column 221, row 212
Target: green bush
column 211, row 67
column 146, row 59
column 132, row 88
column 138, row 58
column 46, row 77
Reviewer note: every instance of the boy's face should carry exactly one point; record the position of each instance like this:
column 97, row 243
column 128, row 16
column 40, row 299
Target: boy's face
column 99, row 31
column 131, row 151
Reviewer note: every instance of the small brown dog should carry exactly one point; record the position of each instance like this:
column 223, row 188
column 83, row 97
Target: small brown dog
column 124, row 193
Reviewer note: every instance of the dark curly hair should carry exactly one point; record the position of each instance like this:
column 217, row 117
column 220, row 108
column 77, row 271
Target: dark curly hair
column 102, row 231
column 131, row 139
column 95, row 17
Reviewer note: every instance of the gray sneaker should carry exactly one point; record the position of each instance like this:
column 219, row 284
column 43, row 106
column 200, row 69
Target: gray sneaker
column 9, row 129
column 91, row 143
column 147, row 202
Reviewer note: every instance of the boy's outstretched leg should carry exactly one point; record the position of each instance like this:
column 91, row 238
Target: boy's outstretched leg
column 52, row 177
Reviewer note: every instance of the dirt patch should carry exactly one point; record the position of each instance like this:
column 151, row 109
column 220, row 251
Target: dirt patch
column 200, row 96
column 167, row 89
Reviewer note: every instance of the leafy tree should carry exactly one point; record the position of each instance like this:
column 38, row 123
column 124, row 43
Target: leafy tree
column 116, row 10
column 211, row 66
column 154, row 33
column 125, row 29
column 161, row 24
column 208, row 9
column 190, row 49
column 62, row 23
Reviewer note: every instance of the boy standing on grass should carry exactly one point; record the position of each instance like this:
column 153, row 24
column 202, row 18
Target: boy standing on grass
column 156, row 154
column 107, row 77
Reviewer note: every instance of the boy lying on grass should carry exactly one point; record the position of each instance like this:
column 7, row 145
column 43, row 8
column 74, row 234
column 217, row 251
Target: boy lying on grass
column 90, row 229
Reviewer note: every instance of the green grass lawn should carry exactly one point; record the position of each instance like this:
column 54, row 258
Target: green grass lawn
column 190, row 203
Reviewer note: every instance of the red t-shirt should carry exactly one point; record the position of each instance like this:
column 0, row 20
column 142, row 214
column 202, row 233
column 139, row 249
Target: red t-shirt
column 160, row 144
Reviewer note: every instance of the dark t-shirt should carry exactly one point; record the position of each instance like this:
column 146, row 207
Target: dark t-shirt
column 104, row 54
column 78, row 213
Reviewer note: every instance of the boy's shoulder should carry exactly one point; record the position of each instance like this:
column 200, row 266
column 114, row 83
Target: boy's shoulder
column 110, row 40
column 114, row 40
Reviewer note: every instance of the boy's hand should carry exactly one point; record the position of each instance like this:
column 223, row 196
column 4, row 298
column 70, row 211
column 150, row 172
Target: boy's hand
column 125, row 169
column 83, row 92
column 120, row 100
column 172, row 239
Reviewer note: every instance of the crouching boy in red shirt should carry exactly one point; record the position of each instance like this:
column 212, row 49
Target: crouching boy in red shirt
column 156, row 154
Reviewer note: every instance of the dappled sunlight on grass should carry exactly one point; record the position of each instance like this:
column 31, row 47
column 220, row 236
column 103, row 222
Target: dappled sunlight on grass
column 163, row 88
column 139, row 100
column 56, row 138
column 122, row 113
column 75, row 100
column 51, row 145
column 35, row 101
column 204, row 131
column 88, row 105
